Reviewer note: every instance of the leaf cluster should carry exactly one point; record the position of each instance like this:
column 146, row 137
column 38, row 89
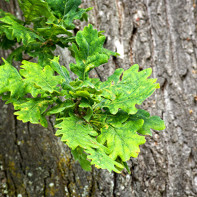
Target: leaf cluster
column 99, row 121
column 47, row 24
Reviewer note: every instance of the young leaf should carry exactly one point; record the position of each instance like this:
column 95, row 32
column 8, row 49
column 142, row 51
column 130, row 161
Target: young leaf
column 13, row 29
column 41, row 77
column 89, row 53
column 122, row 140
column 119, row 118
column 34, row 9
column 11, row 81
column 53, row 30
column 124, row 90
column 81, row 156
column 74, row 132
column 150, row 122
column 73, row 12
column 103, row 161
column 57, row 6
column 86, row 85
column 60, row 69
column 32, row 110
column 61, row 107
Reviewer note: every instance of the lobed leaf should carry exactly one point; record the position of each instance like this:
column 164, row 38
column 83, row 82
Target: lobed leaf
column 150, row 122
column 123, row 90
column 57, row 6
column 11, row 81
column 74, row 132
column 52, row 30
column 34, row 9
column 13, row 29
column 61, row 70
column 89, row 53
column 32, row 110
column 61, row 107
column 122, row 140
column 73, row 12
column 42, row 77
column 81, row 156
column 103, row 161
column 68, row 11
column 117, row 119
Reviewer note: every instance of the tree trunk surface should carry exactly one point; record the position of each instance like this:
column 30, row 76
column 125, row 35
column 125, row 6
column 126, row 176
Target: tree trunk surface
column 157, row 34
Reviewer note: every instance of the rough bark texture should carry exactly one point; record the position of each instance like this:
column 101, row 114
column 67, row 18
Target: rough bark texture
column 152, row 33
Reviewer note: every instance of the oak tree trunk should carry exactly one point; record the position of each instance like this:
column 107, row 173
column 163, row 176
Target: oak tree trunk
column 161, row 34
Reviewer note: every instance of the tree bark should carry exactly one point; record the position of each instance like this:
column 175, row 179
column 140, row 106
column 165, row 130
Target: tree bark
column 157, row 34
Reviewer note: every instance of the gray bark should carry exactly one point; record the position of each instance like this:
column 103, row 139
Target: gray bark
column 158, row 34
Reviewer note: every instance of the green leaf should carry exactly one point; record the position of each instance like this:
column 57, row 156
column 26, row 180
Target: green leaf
column 75, row 132
column 84, row 94
column 73, row 12
column 107, row 85
column 53, row 30
column 42, row 77
column 61, row 107
column 99, row 118
column 127, row 167
column 117, row 119
column 32, row 110
column 34, row 9
column 103, row 161
column 13, row 29
column 89, row 53
column 57, row 6
column 123, row 90
column 11, row 81
column 80, row 156
column 60, row 69
column 150, row 122
column 86, row 85
column 68, row 11
column 122, row 140
column 84, row 89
